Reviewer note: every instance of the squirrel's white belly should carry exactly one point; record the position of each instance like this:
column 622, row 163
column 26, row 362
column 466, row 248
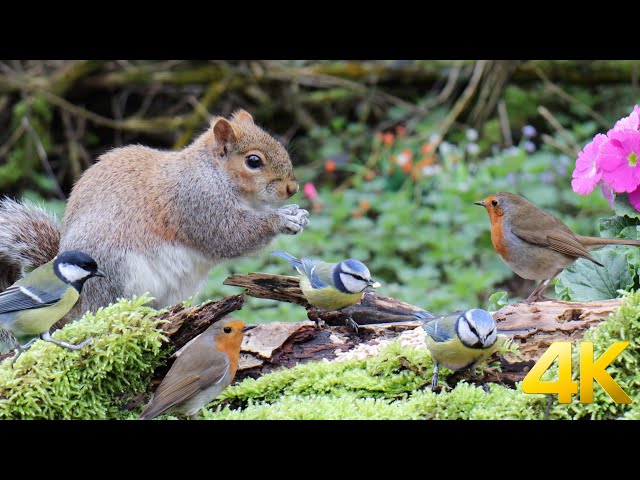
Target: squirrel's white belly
column 171, row 273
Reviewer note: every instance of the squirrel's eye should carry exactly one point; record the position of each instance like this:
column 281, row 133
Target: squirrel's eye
column 253, row 161
column 227, row 329
column 494, row 203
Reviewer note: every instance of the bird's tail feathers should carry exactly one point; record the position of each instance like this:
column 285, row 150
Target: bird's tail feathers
column 598, row 241
column 29, row 237
column 423, row 315
column 289, row 258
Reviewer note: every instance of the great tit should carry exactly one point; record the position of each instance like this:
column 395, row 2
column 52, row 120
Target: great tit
column 331, row 286
column 34, row 303
column 461, row 340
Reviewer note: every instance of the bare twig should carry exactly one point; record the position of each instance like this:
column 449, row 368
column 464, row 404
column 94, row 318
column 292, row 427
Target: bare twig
column 549, row 140
column 504, row 123
column 462, row 102
column 42, row 153
column 452, row 80
column 570, row 98
column 15, row 136
column 557, row 126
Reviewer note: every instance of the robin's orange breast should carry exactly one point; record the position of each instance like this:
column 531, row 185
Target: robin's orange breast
column 498, row 238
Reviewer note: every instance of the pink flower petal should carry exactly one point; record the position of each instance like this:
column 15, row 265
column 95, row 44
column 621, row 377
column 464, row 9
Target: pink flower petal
column 587, row 173
column 615, row 159
column 310, row 191
column 634, row 199
column 607, row 192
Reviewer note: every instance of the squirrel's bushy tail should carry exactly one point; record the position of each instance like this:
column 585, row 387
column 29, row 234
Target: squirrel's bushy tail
column 29, row 237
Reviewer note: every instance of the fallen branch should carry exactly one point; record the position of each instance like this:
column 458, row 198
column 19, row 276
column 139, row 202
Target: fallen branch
column 184, row 324
column 533, row 327
column 373, row 308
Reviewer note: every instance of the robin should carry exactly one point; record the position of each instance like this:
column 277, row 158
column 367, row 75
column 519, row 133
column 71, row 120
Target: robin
column 535, row 244
column 204, row 367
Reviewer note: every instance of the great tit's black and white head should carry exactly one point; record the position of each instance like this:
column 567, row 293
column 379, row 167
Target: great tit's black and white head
column 477, row 329
column 352, row 276
column 75, row 268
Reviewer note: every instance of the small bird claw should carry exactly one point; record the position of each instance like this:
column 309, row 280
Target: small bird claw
column 434, row 378
column 350, row 322
column 20, row 349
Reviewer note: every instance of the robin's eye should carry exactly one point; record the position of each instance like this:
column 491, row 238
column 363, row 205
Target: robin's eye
column 226, row 329
column 253, row 161
column 494, row 203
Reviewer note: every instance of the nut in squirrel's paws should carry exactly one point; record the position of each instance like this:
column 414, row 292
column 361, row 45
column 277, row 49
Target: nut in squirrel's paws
column 294, row 219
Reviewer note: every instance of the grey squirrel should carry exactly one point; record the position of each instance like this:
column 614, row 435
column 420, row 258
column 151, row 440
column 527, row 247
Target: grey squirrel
column 158, row 221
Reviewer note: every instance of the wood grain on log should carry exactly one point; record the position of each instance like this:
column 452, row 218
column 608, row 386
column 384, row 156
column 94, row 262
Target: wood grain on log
column 184, row 324
column 533, row 327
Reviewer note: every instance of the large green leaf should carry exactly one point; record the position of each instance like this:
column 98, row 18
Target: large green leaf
column 622, row 206
column 586, row 281
column 614, row 226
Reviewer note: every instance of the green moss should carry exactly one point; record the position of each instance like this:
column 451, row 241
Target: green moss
column 49, row 382
column 394, row 385
column 465, row 401
column 623, row 325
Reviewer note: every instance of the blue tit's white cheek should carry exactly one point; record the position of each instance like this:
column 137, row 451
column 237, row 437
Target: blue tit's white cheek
column 352, row 284
column 72, row 273
column 467, row 337
column 491, row 339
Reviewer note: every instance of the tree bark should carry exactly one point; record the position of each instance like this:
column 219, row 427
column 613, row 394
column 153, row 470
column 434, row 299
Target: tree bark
column 533, row 327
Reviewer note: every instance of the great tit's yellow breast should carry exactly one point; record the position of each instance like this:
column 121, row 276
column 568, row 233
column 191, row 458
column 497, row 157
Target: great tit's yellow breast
column 454, row 355
column 39, row 320
column 328, row 298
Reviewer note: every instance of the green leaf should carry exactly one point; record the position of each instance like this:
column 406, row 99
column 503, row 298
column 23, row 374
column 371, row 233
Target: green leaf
column 613, row 226
column 586, row 281
column 622, row 206
column 498, row 300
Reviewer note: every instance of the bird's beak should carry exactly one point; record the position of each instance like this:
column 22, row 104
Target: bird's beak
column 249, row 327
column 373, row 284
column 99, row 273
column 480, row 202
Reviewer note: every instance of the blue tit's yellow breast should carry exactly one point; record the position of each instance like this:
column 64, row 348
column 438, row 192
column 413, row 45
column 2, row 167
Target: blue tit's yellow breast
column 454, row 355
column 328, row 298
column 39, row 320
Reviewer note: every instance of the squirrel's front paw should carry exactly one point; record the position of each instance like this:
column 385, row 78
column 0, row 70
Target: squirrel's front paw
column 294, row 219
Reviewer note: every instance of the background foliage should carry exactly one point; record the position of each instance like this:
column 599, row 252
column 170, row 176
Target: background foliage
column 398, row 151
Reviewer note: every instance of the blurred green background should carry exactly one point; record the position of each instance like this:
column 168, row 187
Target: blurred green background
column 397, row 150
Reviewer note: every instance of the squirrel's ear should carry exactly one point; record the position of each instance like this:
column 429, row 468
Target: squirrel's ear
column 242, row 116
column 223, row 134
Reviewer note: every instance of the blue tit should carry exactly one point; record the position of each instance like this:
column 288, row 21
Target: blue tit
column 461, row 340
column 331, row 286
column 34, row 303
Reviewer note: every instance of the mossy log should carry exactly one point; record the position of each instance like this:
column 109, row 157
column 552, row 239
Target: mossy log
column 284, row 344
column 533, row 327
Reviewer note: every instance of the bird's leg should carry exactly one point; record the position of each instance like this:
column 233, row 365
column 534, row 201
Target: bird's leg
column 536, row 295
column 21, row 349
column 320, row 323
column 46, row 336
column 350, row 322
column 478, row 378
column 434, row 378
